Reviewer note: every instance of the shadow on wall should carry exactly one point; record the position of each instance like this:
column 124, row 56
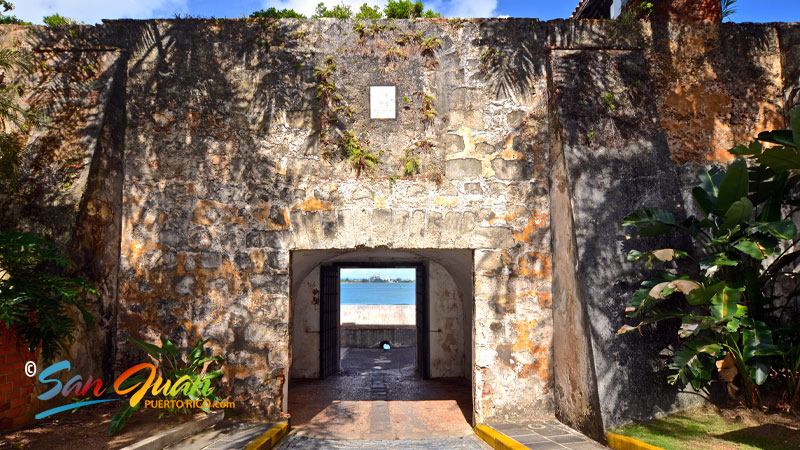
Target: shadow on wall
column 203, row 112
column 617, row 160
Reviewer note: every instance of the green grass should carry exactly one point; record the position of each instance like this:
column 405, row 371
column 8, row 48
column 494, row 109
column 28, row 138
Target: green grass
column 710, row 428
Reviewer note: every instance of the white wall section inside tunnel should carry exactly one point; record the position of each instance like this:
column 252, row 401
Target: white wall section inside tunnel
column 450, row 293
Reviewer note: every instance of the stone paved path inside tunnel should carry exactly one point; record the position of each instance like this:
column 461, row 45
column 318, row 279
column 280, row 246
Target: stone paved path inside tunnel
column 378, row 397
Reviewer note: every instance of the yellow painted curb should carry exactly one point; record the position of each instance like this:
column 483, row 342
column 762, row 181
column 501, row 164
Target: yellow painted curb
column 497, row 439
column 620, row 442
column 269, row 439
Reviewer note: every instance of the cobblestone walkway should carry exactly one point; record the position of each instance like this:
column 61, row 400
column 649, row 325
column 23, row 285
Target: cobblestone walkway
column 299, row 442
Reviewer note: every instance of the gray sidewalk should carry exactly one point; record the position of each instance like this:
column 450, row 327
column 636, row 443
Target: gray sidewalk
column 546, row 435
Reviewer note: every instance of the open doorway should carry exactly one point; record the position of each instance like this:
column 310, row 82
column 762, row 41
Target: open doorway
column 378, row 320
column 343, row 384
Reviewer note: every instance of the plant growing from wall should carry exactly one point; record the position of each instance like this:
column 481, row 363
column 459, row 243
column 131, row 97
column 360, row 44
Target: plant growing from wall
column 427, row 105
column 196, row 366
column 734, row 301
column 329, row 99
column 410, row 163
column 429, row 45
column 610, row 101
column 356, row 152
column 37, row 295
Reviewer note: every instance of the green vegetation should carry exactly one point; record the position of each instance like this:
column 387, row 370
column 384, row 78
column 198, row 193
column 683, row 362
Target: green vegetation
column 394, row 9
column 728, row 8
column 369, row 12
column 410, row 163
column 273, row 13
column 490, row 57
column 58, row 21
column 337, row 12
column 357, row 153
column 406, row 9
column 200, row 368
column 609, row 99
column 429, row 45
column 36, row 294
column 8, row 19
column 427, row 106
column 712, row 429
column 732, row 296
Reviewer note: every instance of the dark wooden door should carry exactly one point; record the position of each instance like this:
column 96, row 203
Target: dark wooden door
column 423, row 323
column 329, row 321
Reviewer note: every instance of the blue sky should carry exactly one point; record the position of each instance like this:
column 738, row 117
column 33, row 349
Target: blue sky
column 358, row 274
column 91, row 11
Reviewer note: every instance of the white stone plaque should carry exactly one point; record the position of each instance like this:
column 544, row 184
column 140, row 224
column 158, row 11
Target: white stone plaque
column 382, row 102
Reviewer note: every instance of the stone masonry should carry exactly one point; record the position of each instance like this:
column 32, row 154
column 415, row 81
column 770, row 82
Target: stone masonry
column 209, row 159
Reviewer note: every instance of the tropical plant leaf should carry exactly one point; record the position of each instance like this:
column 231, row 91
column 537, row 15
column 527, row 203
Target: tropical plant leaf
column 740, row 211
column 753, row 149
column 750, row 248
column 703, row 201
column 780, row 137
column 153, row 350
column 118, row 421
column 655, row 220
column 169, row 347
column 735, row 185
column 724, row 303
column 758, row 371
column 784, row 229
column 664, row 255
column 717, row 259
column 757, row 341
column 794, row 121
column 688, row 363
column 780, row 158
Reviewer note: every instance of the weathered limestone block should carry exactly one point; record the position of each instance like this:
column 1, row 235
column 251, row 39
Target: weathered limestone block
column 515, row 169
column 463, row 168
column 492, row 237
column 470, row 119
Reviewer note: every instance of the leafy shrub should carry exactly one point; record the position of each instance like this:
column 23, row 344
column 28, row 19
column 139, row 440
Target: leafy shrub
column 406, row 9
column 36, row 295
column 172, row 366
column 273, row 13
column 735, row 297
column 367, row 12
column 6, row 19
column 337, row 12
column 58, row 21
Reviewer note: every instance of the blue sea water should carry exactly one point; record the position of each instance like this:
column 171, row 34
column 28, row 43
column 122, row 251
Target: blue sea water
column 378, row 294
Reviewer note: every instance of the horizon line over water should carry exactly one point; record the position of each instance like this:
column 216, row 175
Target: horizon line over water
column 378, row 293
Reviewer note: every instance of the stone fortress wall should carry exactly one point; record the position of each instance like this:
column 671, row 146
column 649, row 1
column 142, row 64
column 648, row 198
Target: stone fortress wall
column 183, row 168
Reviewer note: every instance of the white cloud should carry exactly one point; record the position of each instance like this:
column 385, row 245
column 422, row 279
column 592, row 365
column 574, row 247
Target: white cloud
column 93, row 11
column 448, row 8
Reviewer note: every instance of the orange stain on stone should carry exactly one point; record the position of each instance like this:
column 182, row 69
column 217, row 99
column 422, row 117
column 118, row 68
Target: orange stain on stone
column 537, row 221
column 313, row 204
column 262, row 214
column 535, row 264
